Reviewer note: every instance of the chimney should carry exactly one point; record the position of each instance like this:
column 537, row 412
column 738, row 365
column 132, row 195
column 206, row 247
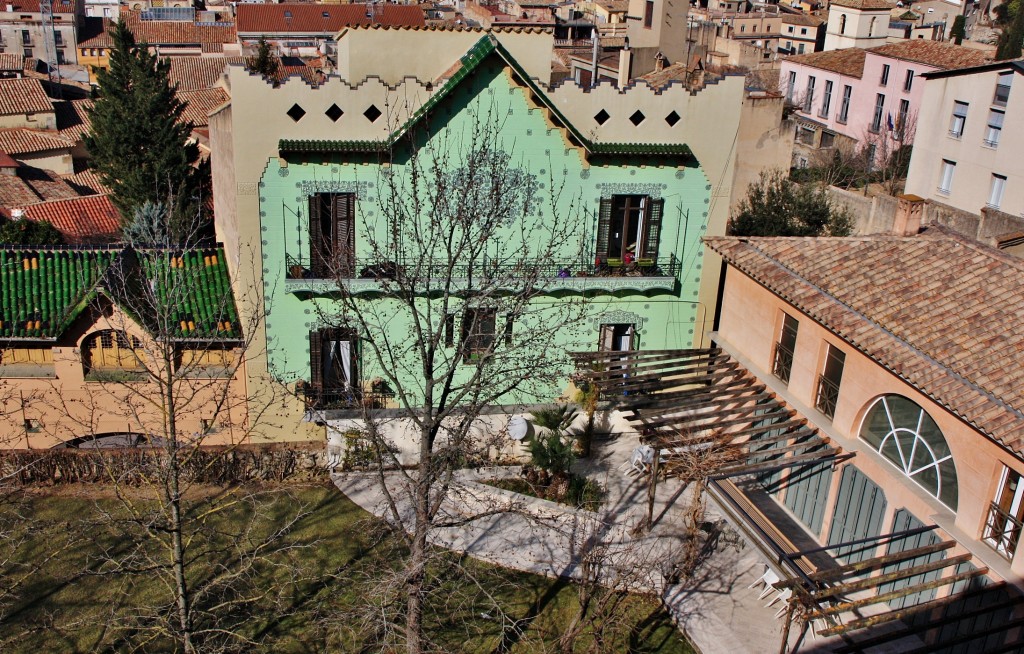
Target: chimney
column 625, row 64
column 659, row 63
column 907, row 221
column 10, row 8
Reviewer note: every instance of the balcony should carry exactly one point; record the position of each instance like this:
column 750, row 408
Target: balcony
column 345, row 399
column 782, row 362
column 827, row 397
column 1002, row 531
column 376, row 277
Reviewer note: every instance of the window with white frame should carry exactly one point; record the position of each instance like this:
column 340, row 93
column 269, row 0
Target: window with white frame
column 1002, row 95
column 901, row 119
column 904, row 433
column 946, row 176
column 791, row 89
column 995, row 127
column 909, row 81
column 809, row 95
column 958, row 120
column 876, row 120
column 885, row 75
column 995, row 192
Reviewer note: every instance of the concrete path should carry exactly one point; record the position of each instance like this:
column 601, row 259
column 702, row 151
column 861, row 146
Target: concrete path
column 715, row 608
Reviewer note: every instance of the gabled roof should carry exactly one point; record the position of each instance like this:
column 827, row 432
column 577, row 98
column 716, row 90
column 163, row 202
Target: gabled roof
column 32, row 6
column 1012, row 65
column 45, row 290
column 23, row 95
column 937, row 310
column 87, row 182
column 200, row 103
column 82, row 219
column 73, row 120
column 12, row 61
column 864, row 5
column 322, row 18
column 848, row 61
column 30, row 185
column 484, row 48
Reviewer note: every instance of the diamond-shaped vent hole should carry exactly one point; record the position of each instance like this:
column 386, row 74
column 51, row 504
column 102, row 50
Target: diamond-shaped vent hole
column 334, row 112
column 372, row 113
column 601, row 117
column 637, row 117
column 296, row 113
column 672, row 119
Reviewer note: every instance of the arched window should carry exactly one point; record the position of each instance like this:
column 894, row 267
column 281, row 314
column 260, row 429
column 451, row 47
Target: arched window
column 842, row 23
column 906, row 435
column 111, row 350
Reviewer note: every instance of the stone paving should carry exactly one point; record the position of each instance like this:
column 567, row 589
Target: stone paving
column 716, row 609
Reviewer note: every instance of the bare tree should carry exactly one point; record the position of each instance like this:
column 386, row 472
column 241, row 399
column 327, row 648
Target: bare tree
column 460, row 251
column 884, row 156
column 163, row 354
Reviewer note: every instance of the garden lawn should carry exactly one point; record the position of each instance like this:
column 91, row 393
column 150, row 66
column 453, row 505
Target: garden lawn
column 327, row 576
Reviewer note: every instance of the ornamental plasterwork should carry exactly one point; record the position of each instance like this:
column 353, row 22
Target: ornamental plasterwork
column 619, row 317
column 651, row 190
column 334, row 186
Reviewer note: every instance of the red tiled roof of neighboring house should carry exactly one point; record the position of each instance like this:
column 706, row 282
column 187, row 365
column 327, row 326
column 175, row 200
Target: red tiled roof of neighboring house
column 865, row 5
column 11, row 61
column 6, row 161
column 613, row 5
column 158, row 32
column 195, row 73
column 29, row 185
column 73, row 121
column 201, row 103
column 946, row 56
column 32, row 6
column 801, row 19
column 677, row 72
column 321, row 19
column 26, row 141
column 87, row 182
column 939, row 311
column 848, row 61
column 23, row 96
column 89, row 219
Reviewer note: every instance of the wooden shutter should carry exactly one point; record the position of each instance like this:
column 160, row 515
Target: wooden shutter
column 316, row 360
column 653, row 229
column 449, row 330
column 316, row 238
column 604, row 221
column 343, row 238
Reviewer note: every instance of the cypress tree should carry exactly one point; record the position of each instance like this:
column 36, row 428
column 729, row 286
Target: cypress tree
column 138, row 142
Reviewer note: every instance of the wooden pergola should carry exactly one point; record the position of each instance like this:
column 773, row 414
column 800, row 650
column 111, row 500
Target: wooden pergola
column 711, row 421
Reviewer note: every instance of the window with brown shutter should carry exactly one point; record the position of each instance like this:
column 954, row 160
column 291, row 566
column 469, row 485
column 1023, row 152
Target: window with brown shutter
column 332, row 235
column 628, row 230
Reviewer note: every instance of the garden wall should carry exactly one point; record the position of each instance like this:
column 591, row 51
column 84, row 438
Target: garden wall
column 135, row 466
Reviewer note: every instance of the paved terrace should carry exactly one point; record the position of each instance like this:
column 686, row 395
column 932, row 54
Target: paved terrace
column 716, row 609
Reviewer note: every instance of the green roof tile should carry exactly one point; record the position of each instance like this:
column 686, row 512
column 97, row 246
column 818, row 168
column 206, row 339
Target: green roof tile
column 43, row 291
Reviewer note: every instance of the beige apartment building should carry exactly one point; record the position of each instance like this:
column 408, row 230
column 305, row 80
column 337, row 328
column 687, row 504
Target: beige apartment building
column 967, row 153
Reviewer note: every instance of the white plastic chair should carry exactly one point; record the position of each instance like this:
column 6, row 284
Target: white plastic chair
column 782, row 595
column 768, row 578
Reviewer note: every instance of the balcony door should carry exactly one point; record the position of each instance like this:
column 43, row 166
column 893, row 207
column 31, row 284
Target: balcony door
column 628, row 230
column 617, row 337
column 334, row 374
column 332, row 235
column 1006, row 514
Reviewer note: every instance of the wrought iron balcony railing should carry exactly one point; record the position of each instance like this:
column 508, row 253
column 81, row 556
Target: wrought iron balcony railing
column 349, row 398
column 1002, row 530
column 375, row 275
column 828, row 396
column 782, row 362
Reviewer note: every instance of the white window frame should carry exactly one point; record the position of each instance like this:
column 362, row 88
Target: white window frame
column 994, row 129
column 958, row 120
column 996, row 190
column 947, row 171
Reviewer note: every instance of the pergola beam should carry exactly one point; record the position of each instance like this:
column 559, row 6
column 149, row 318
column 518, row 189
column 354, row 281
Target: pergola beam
column 842, row 607
column 825, row 576
column 875, row 582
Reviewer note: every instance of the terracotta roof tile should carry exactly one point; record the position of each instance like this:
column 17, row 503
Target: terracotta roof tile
column 11, row 61
column 196, row 73
column 321, row 19
column 940, row 311
column 801, row 19
column 87, row 182
column 23, row 96
column 73, row 121
column 864, row 4
column 201, row 103
column 29, row 185
column 89, row 219
column 158, row 32
column 848, row 61
column 942, row 55
column 32, row 6
column 25, row 141
column 6, row 161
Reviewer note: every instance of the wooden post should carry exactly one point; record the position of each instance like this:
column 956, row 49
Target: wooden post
column 784, row 647
column 652, row 489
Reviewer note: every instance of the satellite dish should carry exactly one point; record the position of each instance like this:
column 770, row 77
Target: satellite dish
column 518, row 428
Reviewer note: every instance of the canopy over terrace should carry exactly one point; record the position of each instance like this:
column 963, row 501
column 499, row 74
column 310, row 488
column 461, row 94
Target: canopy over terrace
column 713, row 423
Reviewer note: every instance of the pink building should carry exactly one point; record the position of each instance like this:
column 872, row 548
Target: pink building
column 863, row 98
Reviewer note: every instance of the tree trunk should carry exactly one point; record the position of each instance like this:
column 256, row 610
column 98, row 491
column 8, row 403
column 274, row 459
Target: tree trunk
column 418, row 551
column 173, row 485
